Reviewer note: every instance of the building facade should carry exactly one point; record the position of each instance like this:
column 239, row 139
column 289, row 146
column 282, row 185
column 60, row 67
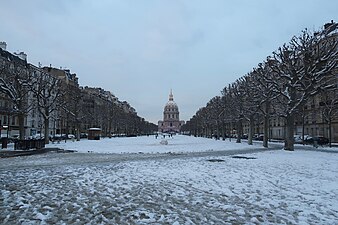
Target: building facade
column 40, row 102
column 171, row 120
column 11, row 68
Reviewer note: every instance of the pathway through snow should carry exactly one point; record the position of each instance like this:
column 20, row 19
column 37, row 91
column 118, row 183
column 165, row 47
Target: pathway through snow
column 281, row 187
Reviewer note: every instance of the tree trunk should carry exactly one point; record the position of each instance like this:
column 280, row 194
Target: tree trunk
column 239, row 131
column 230, row 131
column 46, row 130
column 78, row 134
column 266, row 131
column 266, row 124
column 209, row 132
column 218, row 131
column 21, row 118
column 303, row 126
column 251, row 131
column 289, row 140
column 110, row 128
column 330, row 133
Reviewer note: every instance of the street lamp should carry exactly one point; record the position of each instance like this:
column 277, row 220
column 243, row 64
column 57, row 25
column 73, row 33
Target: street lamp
column 5, row 140
column 40, row 127
column 6, row 128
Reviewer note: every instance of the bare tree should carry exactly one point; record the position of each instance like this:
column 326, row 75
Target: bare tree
column 15, row 83
column 48, row 92
column 264, row 84
column 72, row 101
column 329, row 107
column 215, row 111
column 237, row 96
column 251, row 101
column 304, row 67
column 229, row 116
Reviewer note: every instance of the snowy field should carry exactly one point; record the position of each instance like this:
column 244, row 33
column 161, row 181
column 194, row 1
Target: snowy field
column 150, row 144
column 187, row 187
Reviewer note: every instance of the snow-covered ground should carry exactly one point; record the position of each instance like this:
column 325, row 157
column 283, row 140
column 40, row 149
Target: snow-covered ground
column 150, row 144
column 267, row 187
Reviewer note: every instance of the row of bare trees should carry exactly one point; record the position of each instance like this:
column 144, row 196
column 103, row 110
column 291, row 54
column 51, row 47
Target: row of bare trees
column 303, row 69
column 81, row 110
column 25, row 88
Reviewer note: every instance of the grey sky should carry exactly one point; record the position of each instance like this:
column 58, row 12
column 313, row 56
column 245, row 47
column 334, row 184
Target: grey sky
column 140, row 49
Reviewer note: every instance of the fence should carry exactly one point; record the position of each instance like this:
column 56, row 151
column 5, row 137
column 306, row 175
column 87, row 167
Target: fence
column 29, row 144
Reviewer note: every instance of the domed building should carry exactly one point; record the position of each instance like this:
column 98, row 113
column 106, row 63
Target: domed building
column 171, row 121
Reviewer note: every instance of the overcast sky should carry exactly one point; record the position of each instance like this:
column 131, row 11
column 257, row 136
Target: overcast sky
column 140, row 49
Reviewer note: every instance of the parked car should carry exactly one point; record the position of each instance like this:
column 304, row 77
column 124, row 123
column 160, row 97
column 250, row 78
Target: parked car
column 259, row 137
column 5, row 139
column 35, row 137
column 298, row 139
column 59, row 137
column 83, row 135
column 15, row 137
column 71, row 136
column 316, row 140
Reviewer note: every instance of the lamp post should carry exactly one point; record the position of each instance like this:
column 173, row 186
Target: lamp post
column 6, row 127
column 40, row 128
column 4, row 141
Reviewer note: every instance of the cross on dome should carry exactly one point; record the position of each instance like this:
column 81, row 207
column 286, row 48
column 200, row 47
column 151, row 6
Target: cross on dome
column 171, row 96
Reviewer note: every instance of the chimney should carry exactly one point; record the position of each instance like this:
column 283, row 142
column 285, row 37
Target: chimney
column 327, row 25
column 3, row 45
column 21, row 55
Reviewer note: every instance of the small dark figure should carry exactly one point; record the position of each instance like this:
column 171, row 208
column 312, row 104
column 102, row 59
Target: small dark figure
column 315, row 144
